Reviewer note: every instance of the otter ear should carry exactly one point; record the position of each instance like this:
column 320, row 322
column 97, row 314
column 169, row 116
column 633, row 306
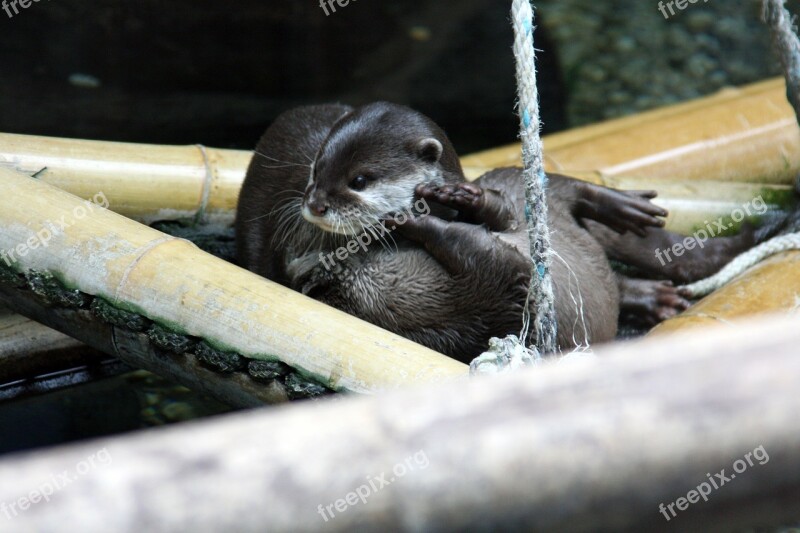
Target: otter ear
column 430, row 150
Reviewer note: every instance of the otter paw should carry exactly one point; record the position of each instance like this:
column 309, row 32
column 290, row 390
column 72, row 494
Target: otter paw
column 463, row 197
column 667, row 301
column 621, row 210
column 652, row 302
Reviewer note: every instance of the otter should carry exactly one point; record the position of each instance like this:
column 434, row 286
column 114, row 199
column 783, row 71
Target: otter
column 321, row 176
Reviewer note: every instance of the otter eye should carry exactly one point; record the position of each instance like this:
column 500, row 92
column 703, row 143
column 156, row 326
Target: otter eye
column 359, row 183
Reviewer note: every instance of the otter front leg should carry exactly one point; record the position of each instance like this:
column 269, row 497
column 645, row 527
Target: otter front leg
column 463, row 248
column 475, row 204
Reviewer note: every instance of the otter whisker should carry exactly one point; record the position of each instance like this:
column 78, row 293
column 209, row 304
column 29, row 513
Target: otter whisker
column 289, row 204
column 282, row 163
column 289, row 221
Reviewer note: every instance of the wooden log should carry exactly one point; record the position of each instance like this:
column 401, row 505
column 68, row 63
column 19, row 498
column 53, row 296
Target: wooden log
column 173, row 283
column 235, row 389
column 28, row 348
column 598, row 445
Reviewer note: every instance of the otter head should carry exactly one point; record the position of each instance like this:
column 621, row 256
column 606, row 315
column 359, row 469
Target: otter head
column 370, row 164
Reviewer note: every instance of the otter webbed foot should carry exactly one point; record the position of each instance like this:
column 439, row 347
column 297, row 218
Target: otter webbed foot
column 649, row 301
column 475, row 204
column 619, row 210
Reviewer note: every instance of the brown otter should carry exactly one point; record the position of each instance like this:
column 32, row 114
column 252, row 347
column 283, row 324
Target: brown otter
column 324, row 175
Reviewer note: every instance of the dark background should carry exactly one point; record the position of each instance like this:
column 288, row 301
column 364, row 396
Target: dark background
column 217, row 73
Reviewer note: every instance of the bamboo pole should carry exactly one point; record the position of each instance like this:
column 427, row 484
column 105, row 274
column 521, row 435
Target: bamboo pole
column 134, row 348
column 595, row 446
column 745, row 135
column 770, row 286
column 706, row 157
column 173, row 283
column 145, row 182
column 738, row 135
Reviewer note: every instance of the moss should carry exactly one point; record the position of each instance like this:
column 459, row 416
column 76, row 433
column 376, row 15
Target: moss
column 8, row 276
column 298, row 387
column 117, row 317
column 785, row 199
column 48, row 289
column 52, row 291
column 219, row 360
column 170, row 341
column 267, row 370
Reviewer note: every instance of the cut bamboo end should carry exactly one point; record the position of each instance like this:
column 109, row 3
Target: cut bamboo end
column 771, row 286
column 740, row 135
column 173, row 283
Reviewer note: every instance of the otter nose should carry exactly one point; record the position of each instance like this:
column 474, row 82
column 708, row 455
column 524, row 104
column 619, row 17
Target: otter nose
column 317, row 207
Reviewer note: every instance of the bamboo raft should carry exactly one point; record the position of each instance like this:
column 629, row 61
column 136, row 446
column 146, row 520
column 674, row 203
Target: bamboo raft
column 160, row 303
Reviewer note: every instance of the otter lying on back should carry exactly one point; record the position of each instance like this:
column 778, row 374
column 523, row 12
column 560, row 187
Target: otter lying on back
column 324, row 175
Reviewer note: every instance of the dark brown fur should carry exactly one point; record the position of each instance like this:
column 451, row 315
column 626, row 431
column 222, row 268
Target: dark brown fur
column 449, row 281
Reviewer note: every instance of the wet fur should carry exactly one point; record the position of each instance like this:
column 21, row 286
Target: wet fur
column 443, row 280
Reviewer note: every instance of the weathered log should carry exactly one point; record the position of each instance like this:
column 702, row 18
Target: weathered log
column 597, row 445
column 28, row 348
column 168, row 281
column 135, row 348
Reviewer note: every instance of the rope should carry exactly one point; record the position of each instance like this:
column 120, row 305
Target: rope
column 509, row 354
column 540, row 291
column 787, row 46
column 742, row 262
